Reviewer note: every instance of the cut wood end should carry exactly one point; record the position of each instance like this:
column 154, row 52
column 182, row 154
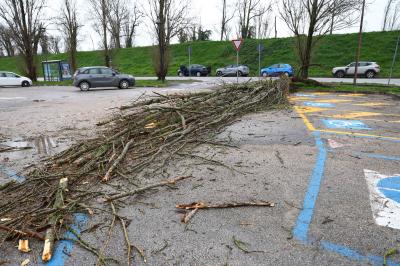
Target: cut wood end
column 23, row 245
column 25, row 262
column 47, row 251
column 106, row 179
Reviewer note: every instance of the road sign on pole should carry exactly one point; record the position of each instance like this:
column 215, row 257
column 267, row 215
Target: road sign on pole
column 190, row 55
column 260, row 48
column 237, row 44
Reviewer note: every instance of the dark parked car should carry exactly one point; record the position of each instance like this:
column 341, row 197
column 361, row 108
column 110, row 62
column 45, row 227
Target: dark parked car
column 194, row 70
column 92, row 77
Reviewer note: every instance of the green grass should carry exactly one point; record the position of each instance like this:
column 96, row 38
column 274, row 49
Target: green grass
column 53, row 83
column 342, row 87
column 334, row 50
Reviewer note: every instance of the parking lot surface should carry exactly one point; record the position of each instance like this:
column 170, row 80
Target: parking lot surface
column 330, row 162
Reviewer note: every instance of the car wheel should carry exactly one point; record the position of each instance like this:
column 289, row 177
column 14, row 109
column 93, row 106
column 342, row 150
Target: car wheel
column 240, row 73
column 124, row 84
column 84, row 86
column 264, row 74
column 339, row 74
column 286, row 74
column 370, row 74
column 198, row 74
column 180, row 74
column 25, row 84
column 219, row 73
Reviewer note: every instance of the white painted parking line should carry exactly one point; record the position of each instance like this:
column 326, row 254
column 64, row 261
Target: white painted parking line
column 384, row 198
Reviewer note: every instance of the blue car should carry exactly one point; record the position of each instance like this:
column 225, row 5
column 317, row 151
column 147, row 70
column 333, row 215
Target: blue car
column 277, row 70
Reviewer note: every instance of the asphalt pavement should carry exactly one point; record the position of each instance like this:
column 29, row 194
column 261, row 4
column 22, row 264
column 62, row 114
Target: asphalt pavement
column 330, row 162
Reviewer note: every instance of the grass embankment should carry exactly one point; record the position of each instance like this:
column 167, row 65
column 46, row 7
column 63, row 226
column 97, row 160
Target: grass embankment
column 343, row 87
column 333, row 50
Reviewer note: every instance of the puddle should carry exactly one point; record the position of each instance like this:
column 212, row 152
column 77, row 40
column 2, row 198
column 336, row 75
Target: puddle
column 42, row 145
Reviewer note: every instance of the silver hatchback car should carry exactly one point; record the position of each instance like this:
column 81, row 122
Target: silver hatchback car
column 233, row 70
column 92, row 77
column 368, row 69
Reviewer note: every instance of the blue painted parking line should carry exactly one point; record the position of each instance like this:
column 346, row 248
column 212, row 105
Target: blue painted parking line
column 378, row 156
column 390, row 188
column 305, row 95
column 345, row 124
column 64, row 247
column 304, row 219
column 11, row 174
column 323, row 105
column 349, row 134
column 301, row 229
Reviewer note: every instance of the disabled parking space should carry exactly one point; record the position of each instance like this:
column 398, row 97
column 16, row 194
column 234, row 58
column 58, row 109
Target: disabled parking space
column 352, row 205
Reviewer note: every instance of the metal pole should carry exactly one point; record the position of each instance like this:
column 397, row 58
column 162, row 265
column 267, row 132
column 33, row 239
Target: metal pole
column 237, row 65
column 394, row 60
column 259, row 62
column 190, row 54
column 359, row 44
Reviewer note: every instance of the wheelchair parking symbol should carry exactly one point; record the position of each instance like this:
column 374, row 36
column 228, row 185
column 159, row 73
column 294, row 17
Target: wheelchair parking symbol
column 345, row 124
column 384, row 198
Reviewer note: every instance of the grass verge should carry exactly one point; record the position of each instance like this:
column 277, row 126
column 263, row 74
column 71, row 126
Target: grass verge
column 344, row 87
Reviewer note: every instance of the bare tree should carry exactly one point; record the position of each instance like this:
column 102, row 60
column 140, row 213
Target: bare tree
column 116, row 16
column 69, row 25
column 262, row 22
column 249, row 10
column 227, row 16
column 101, row 11
column 309, row 20
column 54, row 43
column 393, row 22
column 6, row 41
column 134, row 17
column 387, row 13
column 24, row 20
column 167, row 17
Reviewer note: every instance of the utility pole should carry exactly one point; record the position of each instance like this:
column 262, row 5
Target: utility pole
column 359, row 44
column 276, row 31
column 394, row 60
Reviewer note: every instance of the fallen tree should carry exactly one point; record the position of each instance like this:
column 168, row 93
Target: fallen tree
column 146, row 136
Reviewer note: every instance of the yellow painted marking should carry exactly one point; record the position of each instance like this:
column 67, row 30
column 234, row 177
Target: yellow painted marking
column 321, row 93
column 356, row 134
column 333, row 101
column 307, row 122
column 352, row 95
column 356, row 115
column 309, row 109
column 310, row 127
column 372, row 104
column 295, row 98
column 364, row 119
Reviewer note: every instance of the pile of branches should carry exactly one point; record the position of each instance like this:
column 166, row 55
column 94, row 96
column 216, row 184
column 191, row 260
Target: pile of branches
column 148, row 134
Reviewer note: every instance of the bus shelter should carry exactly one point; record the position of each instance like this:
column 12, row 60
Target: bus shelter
column 56, row 70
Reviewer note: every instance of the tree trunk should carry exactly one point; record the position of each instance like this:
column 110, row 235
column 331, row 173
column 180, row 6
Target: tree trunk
column 306, row 59
column 104, row 25
column 223, row 23
column 161, row 74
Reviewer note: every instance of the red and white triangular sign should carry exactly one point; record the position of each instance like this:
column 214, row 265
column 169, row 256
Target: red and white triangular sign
column 237, row 44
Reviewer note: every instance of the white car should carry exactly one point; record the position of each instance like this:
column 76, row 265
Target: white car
column 368, row 69
column 12, row 79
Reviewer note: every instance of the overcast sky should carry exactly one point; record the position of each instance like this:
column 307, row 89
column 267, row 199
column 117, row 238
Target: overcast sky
column 206, row 11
